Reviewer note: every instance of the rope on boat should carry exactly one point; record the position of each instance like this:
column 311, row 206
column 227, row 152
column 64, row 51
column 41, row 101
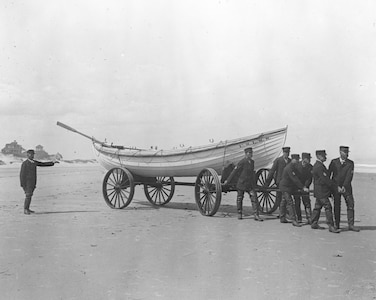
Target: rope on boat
column 118, row 156
column 224, row 155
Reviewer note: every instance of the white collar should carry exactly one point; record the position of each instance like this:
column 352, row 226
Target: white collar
column 30, row 160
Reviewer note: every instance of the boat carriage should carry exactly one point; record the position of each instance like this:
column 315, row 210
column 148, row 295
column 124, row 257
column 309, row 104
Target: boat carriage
column 155, row 170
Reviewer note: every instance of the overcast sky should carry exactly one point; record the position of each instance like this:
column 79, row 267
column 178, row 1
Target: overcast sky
column 165, row 73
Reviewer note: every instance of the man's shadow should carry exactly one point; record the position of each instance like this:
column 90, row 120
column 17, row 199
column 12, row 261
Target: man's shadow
column 64, row 212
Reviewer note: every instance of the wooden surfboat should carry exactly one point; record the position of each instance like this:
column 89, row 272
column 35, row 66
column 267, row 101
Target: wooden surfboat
column 190, row 161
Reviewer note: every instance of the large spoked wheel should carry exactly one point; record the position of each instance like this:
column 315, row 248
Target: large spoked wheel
column 267, row 196
column 118, row 188
column 161, row 191
column 208, row 192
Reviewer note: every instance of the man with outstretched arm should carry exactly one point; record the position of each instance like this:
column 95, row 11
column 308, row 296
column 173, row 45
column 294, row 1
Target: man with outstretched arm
column 28, row 177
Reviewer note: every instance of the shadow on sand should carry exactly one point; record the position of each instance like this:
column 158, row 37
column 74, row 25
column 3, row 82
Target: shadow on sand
column 223, row 211
column 64, row 212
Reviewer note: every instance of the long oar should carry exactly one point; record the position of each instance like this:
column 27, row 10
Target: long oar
column 93, row 138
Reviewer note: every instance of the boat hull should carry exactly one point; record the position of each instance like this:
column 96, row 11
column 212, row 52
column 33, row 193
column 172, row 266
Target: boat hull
column 190, row 161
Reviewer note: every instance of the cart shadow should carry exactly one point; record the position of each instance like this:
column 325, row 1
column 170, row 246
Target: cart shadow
column 223, row 211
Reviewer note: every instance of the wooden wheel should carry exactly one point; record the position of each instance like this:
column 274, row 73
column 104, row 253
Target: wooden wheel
column 118, row 188
column 161, row 191
column 208, row 192
column 267, row 197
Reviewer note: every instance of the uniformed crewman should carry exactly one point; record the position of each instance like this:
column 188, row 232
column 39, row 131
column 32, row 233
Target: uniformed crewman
column 322, row 188
column 289, row 184
column 341, row 170
column 304, row 169
column 28, row 177
column 277, row 169
column 246, row 183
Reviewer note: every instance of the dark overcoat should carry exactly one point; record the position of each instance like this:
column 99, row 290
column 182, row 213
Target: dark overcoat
column 276, row 170
column 28, row 173
column 247, row 177
column 305, row 173
column 290, row 181
column 322, row 184
column 342, row 174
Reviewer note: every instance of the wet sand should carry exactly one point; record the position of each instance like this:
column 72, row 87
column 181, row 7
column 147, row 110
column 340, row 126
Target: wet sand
column 76, row 247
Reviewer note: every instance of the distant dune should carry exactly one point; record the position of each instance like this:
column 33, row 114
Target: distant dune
column 6, row 160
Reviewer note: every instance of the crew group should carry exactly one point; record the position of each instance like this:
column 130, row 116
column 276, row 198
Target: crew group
column 293, row 178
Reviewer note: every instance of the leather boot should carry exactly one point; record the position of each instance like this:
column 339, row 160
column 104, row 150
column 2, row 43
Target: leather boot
column 282, row 212
column 333, row 229
column 255, row 208
column 308, row 215
column 292, row 214
column 27, row 205
column 351, row 218
column 296, row 224
column 239, row 205
column 316, row 226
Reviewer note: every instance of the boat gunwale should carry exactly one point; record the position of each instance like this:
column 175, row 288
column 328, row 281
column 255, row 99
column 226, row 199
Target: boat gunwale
column 189, row 150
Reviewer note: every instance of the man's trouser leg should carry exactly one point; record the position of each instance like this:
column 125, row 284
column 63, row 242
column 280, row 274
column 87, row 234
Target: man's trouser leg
column 328, row 211
column 316, row 213
column 290, row 207
column 297, row 201
column 307, row 207
column 337, row 209
column 28, row 194
column 255, row 205
column 278, row 199
column 350, row 212
column 282, row 210
column 329, row 215
column 239, row 203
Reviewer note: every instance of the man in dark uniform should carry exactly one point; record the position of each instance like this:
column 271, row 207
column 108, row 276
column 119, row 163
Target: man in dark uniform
column 28, row 178
column 304, row 169
column 341, row 170
column 277, row 169
column 322, row 188
column 246, row 183
column 289, row 184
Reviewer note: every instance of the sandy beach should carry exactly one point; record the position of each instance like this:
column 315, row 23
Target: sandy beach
column 76, row 247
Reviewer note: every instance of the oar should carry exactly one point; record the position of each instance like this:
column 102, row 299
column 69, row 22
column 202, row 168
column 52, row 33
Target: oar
column 93, row 138
column 76, row 131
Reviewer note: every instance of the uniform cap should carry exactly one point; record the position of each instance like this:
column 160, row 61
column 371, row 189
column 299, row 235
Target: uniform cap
column 30, row 151
column 344, row 148
column 286, row 149
column 248, row 149
column 306, row 155
column 320, row 152
column 295, row 156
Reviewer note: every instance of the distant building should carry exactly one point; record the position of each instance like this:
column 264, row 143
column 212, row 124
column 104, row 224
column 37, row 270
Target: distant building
column 40, row 153
column 17, row 150
column 13, row 148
